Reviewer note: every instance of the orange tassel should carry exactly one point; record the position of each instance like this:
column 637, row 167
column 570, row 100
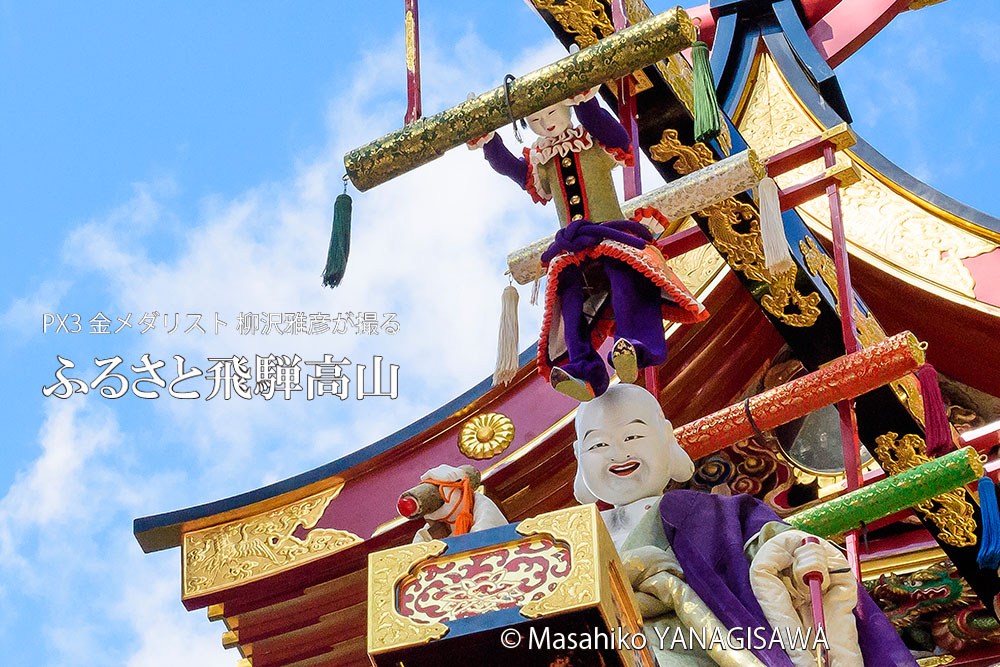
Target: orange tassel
column 464, row 519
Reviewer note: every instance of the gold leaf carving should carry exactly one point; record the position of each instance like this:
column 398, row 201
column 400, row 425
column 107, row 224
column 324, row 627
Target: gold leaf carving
column 387, row 629
column 234, row 553
column 742, row 249
column 688, row 158
column 409, row 30
column 951, row 512
column 577, row 527
column 876, row 218
column 485, row 435
column 907, row 388
column 587, row 19
column 696, row 267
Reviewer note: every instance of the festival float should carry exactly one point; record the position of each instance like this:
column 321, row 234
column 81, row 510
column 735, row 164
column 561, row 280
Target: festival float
column 729, row 426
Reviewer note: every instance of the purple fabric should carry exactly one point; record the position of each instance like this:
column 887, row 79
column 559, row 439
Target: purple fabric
column 602, row 125
column 636, row 301
column 582, row 234
column 584, row 362
column 638, row 318
column 504, row 162
column 707, row 533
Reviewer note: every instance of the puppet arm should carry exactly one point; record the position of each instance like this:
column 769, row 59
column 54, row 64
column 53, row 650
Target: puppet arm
column 603, row 126
column 504, row 162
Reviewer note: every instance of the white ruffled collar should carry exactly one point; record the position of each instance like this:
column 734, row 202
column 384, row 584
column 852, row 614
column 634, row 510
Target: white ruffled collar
column 573, row 140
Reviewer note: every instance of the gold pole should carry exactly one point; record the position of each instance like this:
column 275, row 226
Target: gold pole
column 611, row 58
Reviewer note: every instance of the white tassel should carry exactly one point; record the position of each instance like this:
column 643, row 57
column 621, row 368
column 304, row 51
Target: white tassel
column 507, row 343
column 777, row 258
column 539, row 272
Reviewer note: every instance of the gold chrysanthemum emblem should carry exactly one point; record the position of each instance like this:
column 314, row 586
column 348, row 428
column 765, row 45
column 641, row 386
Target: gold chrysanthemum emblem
column 485, row 435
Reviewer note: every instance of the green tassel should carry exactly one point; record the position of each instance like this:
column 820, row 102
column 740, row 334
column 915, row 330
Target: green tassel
column 340, row 242
column 706, row 106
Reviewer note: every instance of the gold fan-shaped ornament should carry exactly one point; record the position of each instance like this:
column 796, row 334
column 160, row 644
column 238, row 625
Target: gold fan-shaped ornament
column 486, row 435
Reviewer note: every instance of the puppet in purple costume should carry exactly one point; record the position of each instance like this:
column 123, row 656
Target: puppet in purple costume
column 605, row 275
column 696, row 560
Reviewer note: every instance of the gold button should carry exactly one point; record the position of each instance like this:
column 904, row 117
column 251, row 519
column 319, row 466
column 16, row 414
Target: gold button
column 575, row 199
column 567, row 162
column 578, row 217
column 571, row 180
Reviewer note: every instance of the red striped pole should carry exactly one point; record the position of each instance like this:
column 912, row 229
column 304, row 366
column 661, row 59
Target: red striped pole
column 411, row 32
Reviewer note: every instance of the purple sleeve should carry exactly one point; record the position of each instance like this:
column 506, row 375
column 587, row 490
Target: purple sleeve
column 503, row 162
column 602, row 125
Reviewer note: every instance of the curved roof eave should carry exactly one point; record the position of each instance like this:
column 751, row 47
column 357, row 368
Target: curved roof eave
column 163, row 531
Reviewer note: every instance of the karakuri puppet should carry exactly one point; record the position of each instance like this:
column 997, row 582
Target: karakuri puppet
column 704, row 561
column 448, row 501
column 599, row 263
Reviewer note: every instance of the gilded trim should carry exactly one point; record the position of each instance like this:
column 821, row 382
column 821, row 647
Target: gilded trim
column 485, row 435
column 577, row 527
column 743, row 251
column 905, row 235
column 235, row 553
column 387, row 629
column 950, row 512
column 904, row 563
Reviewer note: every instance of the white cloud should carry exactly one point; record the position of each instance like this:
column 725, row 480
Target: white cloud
column 429, row 246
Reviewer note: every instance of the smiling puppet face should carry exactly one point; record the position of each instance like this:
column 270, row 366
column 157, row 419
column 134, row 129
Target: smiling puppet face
column 625, row 448
column 551, row 121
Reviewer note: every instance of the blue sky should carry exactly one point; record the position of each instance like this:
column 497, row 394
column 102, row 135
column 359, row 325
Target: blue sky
column 183, row 158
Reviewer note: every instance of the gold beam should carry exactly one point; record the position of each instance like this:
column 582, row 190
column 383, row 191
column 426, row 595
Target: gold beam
column 611, row 58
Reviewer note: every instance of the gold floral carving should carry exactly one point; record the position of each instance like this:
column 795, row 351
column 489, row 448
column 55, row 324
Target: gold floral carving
column 743, row 250
column 410, row 31
column 485, row 435
column 876, row 218
column 234, row 553
column 818, row 263
column 587, row 19
column 577, row 527
column 950, row 512
column 387, row 629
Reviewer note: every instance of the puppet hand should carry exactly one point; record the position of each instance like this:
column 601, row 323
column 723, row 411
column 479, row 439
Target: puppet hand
column 585, row 96
column 811, row 557
column 444, row 473
column 481, row 141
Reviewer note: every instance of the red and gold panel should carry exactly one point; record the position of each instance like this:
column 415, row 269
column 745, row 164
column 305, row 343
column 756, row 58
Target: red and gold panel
column 435, row 602
column 477, row 582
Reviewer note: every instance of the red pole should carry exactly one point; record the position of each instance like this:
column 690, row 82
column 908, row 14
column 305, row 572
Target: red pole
column 632, row 176
column 627, row 111
column 815, row 582
column 411, row 32
column 845, row 300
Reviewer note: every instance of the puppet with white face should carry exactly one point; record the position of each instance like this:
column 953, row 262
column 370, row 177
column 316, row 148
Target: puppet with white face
column 605, row 275
column 626, row 454
column 704, row 561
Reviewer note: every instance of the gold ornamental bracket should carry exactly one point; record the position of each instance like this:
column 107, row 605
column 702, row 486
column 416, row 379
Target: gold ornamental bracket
column 610, row 58
column 387, row 628
column 234, row 553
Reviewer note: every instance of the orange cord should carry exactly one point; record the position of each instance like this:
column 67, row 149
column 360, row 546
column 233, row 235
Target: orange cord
column 463, row 521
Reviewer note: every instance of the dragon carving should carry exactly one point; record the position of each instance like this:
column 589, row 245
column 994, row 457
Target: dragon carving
column 934, row 607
